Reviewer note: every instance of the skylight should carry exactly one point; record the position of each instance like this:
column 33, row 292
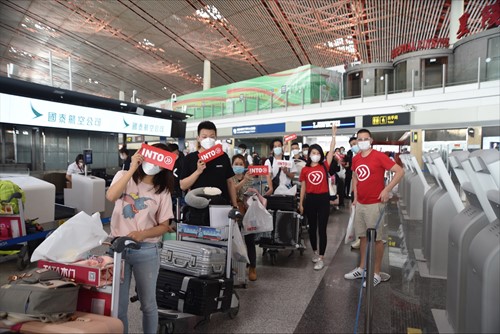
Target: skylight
column 210, row 12
column 341, row 44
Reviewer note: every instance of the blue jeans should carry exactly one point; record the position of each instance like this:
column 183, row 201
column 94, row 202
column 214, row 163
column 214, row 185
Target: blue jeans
column 144, row 264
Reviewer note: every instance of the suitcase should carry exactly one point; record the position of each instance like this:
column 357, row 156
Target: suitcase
column 193, row 258
column 240, row 278
column 286, row 228
column 281, row 202
column 194, row 295
column 83, row 323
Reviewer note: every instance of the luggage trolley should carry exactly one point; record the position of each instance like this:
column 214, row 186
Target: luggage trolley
column 287, row 227
column 166, row 286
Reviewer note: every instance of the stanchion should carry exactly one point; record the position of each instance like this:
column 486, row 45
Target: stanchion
column 371, row 236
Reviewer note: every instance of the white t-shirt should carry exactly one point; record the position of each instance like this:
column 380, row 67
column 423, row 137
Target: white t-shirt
column 284, row 179
column 74, row 169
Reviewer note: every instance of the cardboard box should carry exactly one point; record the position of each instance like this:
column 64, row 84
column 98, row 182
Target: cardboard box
column 80, row 274
column 94, row 300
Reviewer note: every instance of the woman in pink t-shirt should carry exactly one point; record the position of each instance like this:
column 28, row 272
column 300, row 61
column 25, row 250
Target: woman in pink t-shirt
column 143, row 209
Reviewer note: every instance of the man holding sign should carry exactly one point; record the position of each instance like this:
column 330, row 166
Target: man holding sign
column 209, row 166
column 282, row 171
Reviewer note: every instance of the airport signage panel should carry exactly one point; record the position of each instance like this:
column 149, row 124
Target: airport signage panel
column 28, row 111
column 386, row 120
column 262, row 128
column 318, row 124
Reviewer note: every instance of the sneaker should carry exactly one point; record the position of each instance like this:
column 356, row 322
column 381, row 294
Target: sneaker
column 252, row 274
column 376, row 280
column 355, row 273
column 356, row 244
column 319, row 265
column 315, row 258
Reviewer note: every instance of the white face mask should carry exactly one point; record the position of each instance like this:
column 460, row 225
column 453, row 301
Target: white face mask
column 207, row 143
column 277, row 150
column 295, row 152
column 364, row 145
column 315, row 157
column 80, row 165
column 123, row 156
column 305, row 152
column 150, row 169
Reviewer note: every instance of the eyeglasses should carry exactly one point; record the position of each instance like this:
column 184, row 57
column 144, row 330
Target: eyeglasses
column 364, row 139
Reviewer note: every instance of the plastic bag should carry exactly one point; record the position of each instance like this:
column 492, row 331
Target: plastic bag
column 350, row 235
column 72, row 240
column 332, row 186
column 257, row 219
column 239, row 251
column 284, row 190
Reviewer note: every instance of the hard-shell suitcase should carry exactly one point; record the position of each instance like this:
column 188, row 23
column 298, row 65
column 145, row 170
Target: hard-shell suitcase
column 240, row 278
column 281, row 202
column 193, row 258
column 194, row 295
column 286, row 228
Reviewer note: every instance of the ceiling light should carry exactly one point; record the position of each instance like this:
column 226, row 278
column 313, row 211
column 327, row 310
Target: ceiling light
column 432, row 60
column 487, row 60
column 382, row 78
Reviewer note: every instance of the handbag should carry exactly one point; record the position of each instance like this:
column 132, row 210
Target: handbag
column 39, row 293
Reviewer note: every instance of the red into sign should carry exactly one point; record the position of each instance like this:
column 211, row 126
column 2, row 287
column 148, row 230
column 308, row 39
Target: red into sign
column 211, row 154
column 290, row 137
column 157, row 156
column 258, row 170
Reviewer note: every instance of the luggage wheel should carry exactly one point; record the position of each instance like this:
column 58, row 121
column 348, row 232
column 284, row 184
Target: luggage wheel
column 273, row 256
column 235, row 305
column 23, row 258
column 301, row 251
column 166, row 327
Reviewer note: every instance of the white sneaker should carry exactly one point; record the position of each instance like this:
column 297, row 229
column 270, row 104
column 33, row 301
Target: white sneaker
column 356, row 244
column 315, row 258
column 355, row 273
column 376, row 280
column 319, row 265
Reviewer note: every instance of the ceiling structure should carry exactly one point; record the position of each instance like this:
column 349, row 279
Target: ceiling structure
column 157, row 47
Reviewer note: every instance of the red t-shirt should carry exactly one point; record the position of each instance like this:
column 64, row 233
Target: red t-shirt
column 370, row 171
column 315, row 178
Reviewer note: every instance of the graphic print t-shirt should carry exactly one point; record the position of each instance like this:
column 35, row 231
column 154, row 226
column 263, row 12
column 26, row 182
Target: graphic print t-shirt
column 370, row 171
column 139, row 209
column 315, row 178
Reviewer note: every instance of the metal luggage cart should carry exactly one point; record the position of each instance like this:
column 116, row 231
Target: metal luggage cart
column 286, row 235
column 168, row 317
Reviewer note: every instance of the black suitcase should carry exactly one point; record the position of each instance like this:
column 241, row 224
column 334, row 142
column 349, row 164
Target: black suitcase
column 286, row 228
column 281, row 202
column 194, row 295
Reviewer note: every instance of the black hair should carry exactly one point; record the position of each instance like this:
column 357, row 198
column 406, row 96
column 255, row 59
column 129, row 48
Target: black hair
column 173, row 147
column 124, row 150
column 274, row 141
column 351, row 139
column 79, row 157
column 364, row 131
column 239, row 156
column 207, row 125
column 305, row 146
column 294, row 143
column 321, row 153
column 162, row 181
column 242, row 146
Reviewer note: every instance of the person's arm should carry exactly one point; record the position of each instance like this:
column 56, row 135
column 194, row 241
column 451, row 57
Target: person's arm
column 333, row 142
column 152, row 232
column 302, row 196
column 116, row 189
column 188, row 182
column 232, row 192
column 269, row 185
column 247, row 177
column 398, row 174
column 354, row 187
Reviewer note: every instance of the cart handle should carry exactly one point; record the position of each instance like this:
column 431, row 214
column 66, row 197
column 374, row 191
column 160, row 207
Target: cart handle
column 234, row 214
column 119, row 244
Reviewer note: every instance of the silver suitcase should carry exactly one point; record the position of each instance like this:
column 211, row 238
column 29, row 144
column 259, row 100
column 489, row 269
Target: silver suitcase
column 193, row 258
column 240, row 278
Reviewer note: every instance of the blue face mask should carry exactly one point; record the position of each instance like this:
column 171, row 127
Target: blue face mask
column 355, row 149
column 238, row 169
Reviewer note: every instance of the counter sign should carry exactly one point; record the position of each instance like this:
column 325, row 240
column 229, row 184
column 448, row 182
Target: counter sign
column 158, row 156
column 386, row 120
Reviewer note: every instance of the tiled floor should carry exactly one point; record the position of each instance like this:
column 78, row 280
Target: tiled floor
column 290, row 297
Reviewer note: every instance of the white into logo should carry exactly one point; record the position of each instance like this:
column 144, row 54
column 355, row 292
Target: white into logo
column 363, row 172
column 168, row 160
column 218, row 150
column 315, row 177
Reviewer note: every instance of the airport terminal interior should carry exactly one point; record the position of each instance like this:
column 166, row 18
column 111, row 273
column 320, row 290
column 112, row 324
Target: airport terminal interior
column 86, row 84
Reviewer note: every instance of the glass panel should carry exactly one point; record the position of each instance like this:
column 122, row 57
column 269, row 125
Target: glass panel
column 432, row 74
column 400, row 73
column 493, row 59
column 354, row 84
column 56, row 149
column 380, row 81
column 23, row 143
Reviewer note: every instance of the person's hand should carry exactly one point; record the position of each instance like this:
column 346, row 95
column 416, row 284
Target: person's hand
column 201, row 166
column 136, row 235
column 384, row 196
column 301, row 209
column 137, row 160
column 248, row 177
column 269, row 192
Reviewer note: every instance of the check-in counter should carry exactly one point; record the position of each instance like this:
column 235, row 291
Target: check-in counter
column 40, row 197
column 87, row 194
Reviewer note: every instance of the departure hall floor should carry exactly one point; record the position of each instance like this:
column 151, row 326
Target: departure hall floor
column 291, row 297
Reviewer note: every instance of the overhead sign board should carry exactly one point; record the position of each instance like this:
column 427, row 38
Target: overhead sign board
column 262, row 128
column 387, row 119
column 27, row 111
column 318, row 124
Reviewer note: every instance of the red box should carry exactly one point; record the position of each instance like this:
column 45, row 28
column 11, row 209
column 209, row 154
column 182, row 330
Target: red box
column 11, row 226
column 92, row 300
column 80, row 274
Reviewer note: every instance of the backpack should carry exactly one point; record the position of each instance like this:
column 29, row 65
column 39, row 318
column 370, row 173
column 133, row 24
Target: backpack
column 7, row 189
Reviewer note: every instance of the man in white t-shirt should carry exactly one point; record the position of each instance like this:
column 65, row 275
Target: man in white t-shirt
column 285, row 174
column 242, row 149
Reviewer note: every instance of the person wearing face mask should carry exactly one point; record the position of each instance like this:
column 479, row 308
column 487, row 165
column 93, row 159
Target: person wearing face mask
column 76, row 167
column 125, row 157
column 370, row 196
column 314, row 200
column 143, row 209
column 297, row 159
column 216, row 173
column 348, row 162
column 305, row 151
column 242, row 149
column 244, row 181
column 279, row 175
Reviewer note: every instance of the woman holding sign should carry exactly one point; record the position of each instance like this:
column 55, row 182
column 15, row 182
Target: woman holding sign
column 315, row 197
column 143, row 209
